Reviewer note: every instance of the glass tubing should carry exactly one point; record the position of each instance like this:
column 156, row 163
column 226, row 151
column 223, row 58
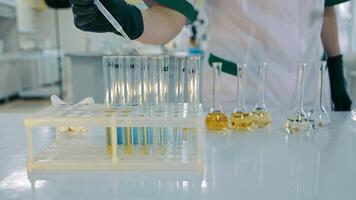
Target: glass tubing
column 149, row 83
column 146, row 86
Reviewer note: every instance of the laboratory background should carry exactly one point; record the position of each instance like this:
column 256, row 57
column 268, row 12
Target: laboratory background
column 89, row 115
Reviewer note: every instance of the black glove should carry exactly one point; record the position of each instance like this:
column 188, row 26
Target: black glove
column 339, row 94
column 58, row 3
column 87, row 17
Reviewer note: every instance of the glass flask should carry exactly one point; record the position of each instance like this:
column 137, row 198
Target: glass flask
column 298, row 122
column 319, row 117
column 261, row 116
column 216, row 119
column 240, row 118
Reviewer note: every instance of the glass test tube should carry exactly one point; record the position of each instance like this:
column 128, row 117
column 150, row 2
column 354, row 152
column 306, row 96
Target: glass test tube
column 261, row 116
column 139, row 133
column 128, row 136
column 176, row 138
column 108, row 84
column 154, row 79
column 120, row 95
column 163, row 78
column 216, row 119
column 164, row 85
column 147, row 90
column 178, row 83
column 154, row 82
column 298, row 122
column 240, row 118
column 194, row 105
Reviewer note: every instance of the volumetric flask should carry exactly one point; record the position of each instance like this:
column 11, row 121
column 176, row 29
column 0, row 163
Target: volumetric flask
column 216, row 119
column 319, row 117
column 298, row 122
column 261, row 116
column 240, row 118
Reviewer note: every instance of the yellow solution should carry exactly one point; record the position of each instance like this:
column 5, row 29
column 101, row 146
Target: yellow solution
column 108, row 141
column 296, row 125
column 216, row 121
column 128, row 141
column 160, row 141
column 262, row 119
column 241, row 121
column 144, row 144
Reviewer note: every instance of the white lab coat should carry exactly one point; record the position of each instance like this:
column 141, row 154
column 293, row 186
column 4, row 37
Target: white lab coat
column 278, row 32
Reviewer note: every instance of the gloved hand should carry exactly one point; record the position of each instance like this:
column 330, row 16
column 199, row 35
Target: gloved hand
column 339, row 94
column 87, row 17
column 58, row 3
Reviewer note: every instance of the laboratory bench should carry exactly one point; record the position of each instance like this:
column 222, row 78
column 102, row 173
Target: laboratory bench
column 262, row 164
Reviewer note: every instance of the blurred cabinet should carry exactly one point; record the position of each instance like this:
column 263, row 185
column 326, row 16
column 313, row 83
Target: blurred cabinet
column 9, row 80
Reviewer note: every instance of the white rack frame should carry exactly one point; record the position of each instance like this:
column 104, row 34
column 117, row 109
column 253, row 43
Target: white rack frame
column 95, row 116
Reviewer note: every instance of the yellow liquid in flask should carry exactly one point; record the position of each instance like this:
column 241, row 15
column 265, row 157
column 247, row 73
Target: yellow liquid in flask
column 216, row 121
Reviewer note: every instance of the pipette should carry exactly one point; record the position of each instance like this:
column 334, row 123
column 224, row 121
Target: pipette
column 111, row 19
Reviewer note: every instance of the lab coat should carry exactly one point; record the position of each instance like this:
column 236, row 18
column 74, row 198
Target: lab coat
column 278, row 32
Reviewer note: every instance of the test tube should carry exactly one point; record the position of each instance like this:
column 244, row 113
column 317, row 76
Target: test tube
column 178, row 99
column 127, row 100
column 120, row 102
column 147, row 90
column 108, row 84
column 146, row 84
column 109, row 100
column 164, row 78
column 128, row 138
column 140, row 134
column 179, row 77
column 193, row 86
column 155, row 93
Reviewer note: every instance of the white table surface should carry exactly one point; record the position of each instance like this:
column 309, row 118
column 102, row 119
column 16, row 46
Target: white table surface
column 256, row 165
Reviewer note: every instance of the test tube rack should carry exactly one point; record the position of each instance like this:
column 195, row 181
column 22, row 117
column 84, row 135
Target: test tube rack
column 87, row 150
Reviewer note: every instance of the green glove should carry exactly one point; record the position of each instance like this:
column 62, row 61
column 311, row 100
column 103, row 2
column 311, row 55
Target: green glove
column 87, row 17
column 339, row 95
